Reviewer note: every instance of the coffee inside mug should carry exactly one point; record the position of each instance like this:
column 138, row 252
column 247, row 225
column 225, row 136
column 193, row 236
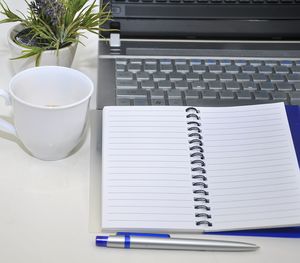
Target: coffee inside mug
column 62, row 88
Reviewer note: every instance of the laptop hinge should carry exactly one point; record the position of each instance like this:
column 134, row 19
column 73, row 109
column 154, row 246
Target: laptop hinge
column 114, row 42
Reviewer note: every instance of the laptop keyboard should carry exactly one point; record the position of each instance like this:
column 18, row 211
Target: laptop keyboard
column 208, row 82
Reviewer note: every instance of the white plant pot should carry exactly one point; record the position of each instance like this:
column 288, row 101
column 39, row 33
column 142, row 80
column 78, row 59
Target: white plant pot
column 64, row 57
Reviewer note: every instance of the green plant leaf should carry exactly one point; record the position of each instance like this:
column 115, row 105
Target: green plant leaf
column 79, row 16
column 10, row 16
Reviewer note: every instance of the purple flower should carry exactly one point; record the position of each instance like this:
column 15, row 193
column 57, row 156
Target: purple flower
column 50, row 11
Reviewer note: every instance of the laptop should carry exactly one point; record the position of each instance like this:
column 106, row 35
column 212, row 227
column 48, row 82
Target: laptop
column 195, row 53
column 200, row 52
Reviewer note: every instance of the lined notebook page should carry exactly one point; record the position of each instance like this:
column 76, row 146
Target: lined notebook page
column 252, row 167
column 252, row 170
column 146, row 169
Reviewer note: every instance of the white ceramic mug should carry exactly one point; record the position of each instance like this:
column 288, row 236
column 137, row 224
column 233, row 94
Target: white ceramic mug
column 50, row 106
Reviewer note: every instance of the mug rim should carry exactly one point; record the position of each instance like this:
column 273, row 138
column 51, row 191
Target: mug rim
column 91, row 86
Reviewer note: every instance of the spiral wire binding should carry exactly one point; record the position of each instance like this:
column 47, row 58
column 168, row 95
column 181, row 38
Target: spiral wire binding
column 198, row 171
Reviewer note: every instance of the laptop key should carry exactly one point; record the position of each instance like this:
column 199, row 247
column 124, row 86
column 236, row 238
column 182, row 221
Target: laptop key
column 241, row 77
column 255, row 63
column 276, row 78
column 271, row 63
column 195, row 62
column 165, row 61
column 281, row 70
column 175, row 102
column 240, row 62
column 159, row 76
column 198, row 68
column 180, row 61
column 121, row 61
column 284, row 86
column 158, row 102
column 267, row 86
column 164, row 84
column 126, row 84
column 287, row 63
column 265, row 69
column 209, row 94
column 261, row 95
column 193, row 102
column 293, row 78
column 248, row 69
column 182, row 68
column 225, row 77
column 215, row 85
column 174, row 93
column 297, row 86
column 120, row 67
column 210, row 62
column 232, row 69
column 142, row 75
column 226, row 94
column 258, row 77
column 295, row 97
column 232, row 85
column 244, row 95
column 123, row 102
column 140, row 101
column 295, row 69
column 279, row 96
column 191, row 94
column 157, row 93
column 215, row 68
column 150, row 68
column 207, row 76
column 151, row 61
column 198, row 85
column 135, row 61
column 181, row 85
column 175, row 76
column 131, row 93
column 167, row 68
column 124, row 75
column 224, row 62
column 134, row 67
column 249, row 85
column 192, row 76
column 147, row 84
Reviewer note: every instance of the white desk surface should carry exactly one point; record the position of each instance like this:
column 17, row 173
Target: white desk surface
column 44, row 206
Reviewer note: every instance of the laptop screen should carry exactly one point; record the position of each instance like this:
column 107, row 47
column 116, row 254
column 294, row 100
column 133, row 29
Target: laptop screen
column 207, row 19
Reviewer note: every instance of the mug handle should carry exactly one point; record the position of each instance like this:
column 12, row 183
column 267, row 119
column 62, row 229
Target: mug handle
column 5, row 125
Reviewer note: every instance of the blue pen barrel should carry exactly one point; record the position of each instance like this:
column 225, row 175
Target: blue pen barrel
column 101, row 241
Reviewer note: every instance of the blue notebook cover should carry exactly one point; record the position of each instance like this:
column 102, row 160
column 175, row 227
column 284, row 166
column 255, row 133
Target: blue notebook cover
column 293, row 113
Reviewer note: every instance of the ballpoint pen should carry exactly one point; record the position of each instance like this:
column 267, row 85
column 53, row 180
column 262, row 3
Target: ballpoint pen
column 159, row 242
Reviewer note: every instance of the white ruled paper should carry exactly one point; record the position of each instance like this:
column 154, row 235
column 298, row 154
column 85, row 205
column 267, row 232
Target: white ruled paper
column 146, row 169
column 252, row 167
column 253, row 176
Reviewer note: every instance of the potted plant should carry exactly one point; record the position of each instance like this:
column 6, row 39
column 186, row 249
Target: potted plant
column 49, row 32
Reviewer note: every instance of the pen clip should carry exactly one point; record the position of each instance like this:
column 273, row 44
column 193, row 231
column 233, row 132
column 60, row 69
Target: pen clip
column 143, row 234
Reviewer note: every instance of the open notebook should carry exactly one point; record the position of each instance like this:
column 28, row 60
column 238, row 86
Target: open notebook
column 188, row 169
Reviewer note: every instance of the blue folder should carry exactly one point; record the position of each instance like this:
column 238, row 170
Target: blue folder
column 293, row 113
